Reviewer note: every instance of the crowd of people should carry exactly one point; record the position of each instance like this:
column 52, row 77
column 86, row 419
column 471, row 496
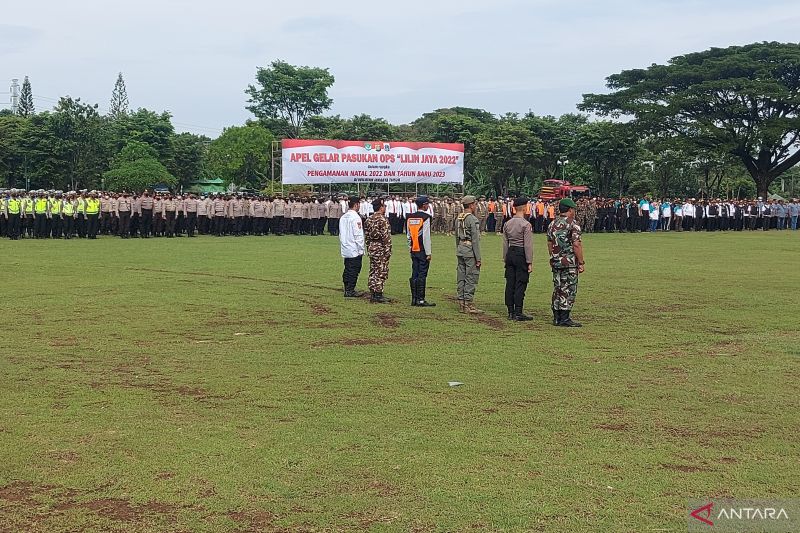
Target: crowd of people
column 87, row 214
column 372, row 235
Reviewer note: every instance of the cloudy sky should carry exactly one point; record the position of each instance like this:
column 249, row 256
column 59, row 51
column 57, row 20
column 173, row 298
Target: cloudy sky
column 395, row 60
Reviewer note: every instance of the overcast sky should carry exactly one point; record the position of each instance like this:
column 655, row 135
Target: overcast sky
column 395, row 60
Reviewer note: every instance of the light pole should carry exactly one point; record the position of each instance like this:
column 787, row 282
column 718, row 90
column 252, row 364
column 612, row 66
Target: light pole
column 563, row 164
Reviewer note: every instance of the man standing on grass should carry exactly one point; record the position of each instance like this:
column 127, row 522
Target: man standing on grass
column 351, row 241
column 518, row 260
column 468, row 256
column 566, row 260
column 379, row 247
column 418, row 230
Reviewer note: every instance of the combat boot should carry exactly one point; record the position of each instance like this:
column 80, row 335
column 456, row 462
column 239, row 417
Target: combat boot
column 519, row 316
column 461, row 308
column 421, row 296
column 413, row 286
column 567, row 322
column 511, row 313
column 471, row 309
column 378, row 298
column 556, row 317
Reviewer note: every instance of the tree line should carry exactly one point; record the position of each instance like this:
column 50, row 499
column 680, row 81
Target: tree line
column 722, row 122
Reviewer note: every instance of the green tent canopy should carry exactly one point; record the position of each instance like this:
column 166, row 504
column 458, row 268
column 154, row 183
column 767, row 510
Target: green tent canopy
column 207, row 186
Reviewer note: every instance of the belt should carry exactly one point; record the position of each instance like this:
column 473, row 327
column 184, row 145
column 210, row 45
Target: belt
column 467, row 243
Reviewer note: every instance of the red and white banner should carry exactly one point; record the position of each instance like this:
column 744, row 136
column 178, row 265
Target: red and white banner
column 311, row 161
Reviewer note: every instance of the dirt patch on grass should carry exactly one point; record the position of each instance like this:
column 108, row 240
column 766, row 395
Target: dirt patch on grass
column 64, row 342
column 63, row 456
column 121, row 510
column 24, row 492
column 321, row 309
column 684, row 468
column 491, row 322
column 366, row 520
column 255, row 521
column 614, row 426
column 165, row 475
column 385, row 320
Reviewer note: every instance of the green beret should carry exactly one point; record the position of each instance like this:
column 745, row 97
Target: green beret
column 567, row 202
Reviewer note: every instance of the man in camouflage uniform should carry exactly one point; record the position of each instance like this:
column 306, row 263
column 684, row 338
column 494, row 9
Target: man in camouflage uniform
column 378, row 238
column 468, row 255
column 566, row 260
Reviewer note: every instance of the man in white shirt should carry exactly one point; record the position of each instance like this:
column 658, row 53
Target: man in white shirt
column 351, row 240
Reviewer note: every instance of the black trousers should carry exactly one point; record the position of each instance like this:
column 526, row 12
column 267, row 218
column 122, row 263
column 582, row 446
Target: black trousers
column 13, row 226
column 80, row 225
column 92, row 225
column 191, row 222
column 219, row 225
column 333, row 226
column 277, row 225
column 124, row 224
column 55, row 226
column 146, row 221
column 517, row 277
column 352, row 268
column 40, row 226
column 69, row 226
column 170, row 223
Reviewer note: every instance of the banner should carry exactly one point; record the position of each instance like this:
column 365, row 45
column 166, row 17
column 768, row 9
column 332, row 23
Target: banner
column 312, row 162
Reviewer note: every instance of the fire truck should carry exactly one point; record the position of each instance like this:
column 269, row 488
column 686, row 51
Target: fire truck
column 558, row 189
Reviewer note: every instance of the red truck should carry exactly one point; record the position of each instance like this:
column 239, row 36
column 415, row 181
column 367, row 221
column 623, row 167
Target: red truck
column 557, row 189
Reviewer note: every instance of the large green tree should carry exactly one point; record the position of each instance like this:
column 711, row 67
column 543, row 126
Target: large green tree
column 609, row 148
column 188, row 157
column 241, row 155
column 744, row 100
column 136, row 168
column 507, row 153
column 146, row 126
column 289, row 93
column 81, row 143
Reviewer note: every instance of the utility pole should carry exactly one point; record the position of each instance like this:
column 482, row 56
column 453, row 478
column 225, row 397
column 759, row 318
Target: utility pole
column 15, row 95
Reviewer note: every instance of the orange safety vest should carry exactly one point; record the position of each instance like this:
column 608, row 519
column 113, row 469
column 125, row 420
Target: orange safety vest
column 539, row 209
column 415, row 223
column 551, row 212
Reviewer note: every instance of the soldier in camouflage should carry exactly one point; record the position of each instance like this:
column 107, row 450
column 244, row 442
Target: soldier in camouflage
column 566, row 260
column 378, row 238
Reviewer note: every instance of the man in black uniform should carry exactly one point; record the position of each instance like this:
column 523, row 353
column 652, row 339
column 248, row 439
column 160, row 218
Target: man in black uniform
column 518, row 259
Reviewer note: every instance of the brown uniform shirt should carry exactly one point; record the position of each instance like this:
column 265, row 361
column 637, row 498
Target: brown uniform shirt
column 518, row 232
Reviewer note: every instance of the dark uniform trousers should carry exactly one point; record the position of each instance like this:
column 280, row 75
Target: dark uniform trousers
column 517, row 277
column 92, row 225
column 13, row 226
column 419, row 266
column 55, row 226
column 352, row 268
column 124, row 224
column 191, row 223
column 146, row 221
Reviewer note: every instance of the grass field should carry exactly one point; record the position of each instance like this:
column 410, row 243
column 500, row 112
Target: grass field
column 225, row 384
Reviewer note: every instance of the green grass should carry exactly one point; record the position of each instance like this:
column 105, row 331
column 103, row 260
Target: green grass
column 222, row 384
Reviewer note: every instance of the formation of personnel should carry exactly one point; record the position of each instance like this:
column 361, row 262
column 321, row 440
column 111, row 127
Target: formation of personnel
column 53, row 214
column 675, row 214
column 374, row 234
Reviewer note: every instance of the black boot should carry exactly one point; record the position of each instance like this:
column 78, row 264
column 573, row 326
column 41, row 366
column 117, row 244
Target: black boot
column 421, row 295
column 413, row 286
column 511, row 312
column 377, row 297
column 567, row 322
column 556, row 317
column 519, row 316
